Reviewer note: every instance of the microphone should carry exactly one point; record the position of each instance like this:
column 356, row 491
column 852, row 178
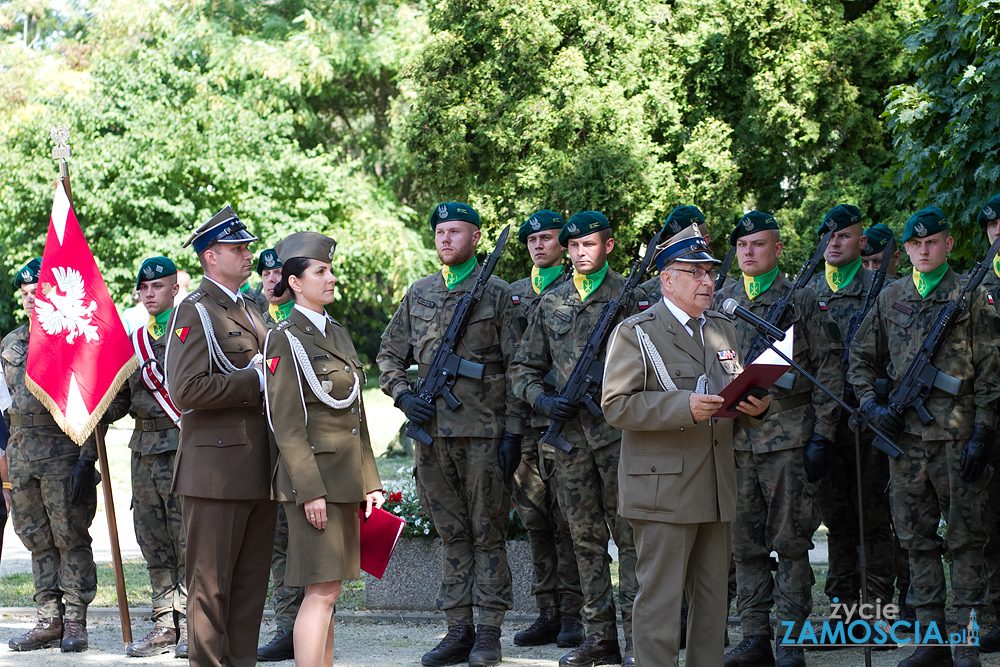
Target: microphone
column 731, row 307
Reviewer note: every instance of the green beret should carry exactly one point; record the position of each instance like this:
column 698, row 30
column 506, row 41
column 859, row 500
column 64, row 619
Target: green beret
column 268, row 259
column 584, row 223
column 840, row 217
column 876, row 239
column 751, row 223
column 924, row 223
column 990, row 211
column 681, row 218
column 453, row 210
column 544, row 219
column 311, row 245
column 29, row 274
column 153, row 268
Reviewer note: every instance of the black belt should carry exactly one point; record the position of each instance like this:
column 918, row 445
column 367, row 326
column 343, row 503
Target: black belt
column 161, row 424
column 32, row 420
column 489, row 368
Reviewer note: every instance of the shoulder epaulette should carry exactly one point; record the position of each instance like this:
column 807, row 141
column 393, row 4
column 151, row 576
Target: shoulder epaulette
column 194, row 296
column 284, row 324
column 638, row 317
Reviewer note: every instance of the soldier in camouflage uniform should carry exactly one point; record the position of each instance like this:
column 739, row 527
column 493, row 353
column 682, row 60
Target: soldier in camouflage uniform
column 943, row 470
column 53, row 500
column 989, row 221
column 586, row 478
column 156, row 512
column 463, row 476
column 876, row 238
column 287, row 599
column 557, row 580
column 842, row 289
column 679, row 219
column 778, row 464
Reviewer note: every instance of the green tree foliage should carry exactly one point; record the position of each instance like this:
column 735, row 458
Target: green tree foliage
column 945, row 124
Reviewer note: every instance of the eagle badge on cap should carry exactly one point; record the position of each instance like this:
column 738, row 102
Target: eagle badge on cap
column 25, row 275
column 830, row 223
column 148, row 272
column 989, row 212
column 269, row 261
column 572, row 228
column 747, row 224
column 675, row 227
column 331, row 252
column 535, row 224
column 920, row 230
column 442, row 211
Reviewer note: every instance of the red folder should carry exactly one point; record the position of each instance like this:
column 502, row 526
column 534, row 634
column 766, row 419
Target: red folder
column 754, row 375
column 379, row 534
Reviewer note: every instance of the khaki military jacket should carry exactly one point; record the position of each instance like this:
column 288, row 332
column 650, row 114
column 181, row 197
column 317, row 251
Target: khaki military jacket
column 893, row 332
column 33, row 443
column 556, row 336
column 672, row 469
column 491, row 338
column 224, row 451
column 324, row 452
column 798, row 412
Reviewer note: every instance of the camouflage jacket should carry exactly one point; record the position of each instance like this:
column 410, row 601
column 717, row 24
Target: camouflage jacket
column 556, row 336
column 136, row 400
column 491, row 338
column 991, row 283
column 895, row 329
column 33, row 443
column 842, row 304
column 798, row 412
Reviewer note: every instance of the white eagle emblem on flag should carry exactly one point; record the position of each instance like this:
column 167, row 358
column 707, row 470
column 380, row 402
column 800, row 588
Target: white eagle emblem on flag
column 62, row 309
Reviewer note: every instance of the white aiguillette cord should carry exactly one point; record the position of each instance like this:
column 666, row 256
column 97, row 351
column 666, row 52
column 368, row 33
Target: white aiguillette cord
column 662, row 374
column 215, row 350
column 302, row 358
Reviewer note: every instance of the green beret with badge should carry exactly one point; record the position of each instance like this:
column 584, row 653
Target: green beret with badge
column 989, row 212
column 925, row 222
column 584, row 223
column 154, row 268
column 876, row 238
column 310, row 245
column 267, row 260
column 751, row 223
column 840, row 217
column 28, row 275
column 681, row 218
column 540, row 220
column 453, row 210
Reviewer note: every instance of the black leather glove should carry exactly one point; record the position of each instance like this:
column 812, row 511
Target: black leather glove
column 509, row 454
column 415, row 408
column 885, row 419
column 83, row 482
column 818, row 456
column 976, row 453
column 555, row 407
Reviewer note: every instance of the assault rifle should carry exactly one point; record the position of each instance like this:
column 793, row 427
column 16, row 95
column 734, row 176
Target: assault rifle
column 585, row 381
column 921, row 377
column 448, row 366
column 727, row 261
column 874, row 289
column 779, row 309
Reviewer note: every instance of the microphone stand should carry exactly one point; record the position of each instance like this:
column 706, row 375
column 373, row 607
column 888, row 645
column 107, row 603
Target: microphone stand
column 858, row 422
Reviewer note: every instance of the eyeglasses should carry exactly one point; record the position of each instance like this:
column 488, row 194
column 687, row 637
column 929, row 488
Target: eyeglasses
column 699, row 273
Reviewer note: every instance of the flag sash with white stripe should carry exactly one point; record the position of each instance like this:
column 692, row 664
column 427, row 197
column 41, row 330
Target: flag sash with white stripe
column 151, row 373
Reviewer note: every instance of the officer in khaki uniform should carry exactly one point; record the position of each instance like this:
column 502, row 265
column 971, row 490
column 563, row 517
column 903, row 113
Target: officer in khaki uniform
column 557, row 580
column 53, row 499
column 677, row 474
column 156, row 512
column 224, row 460
column 586, row 478
column 463, row 476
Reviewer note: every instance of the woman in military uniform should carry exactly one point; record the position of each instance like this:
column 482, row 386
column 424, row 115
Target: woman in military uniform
column 326, row 467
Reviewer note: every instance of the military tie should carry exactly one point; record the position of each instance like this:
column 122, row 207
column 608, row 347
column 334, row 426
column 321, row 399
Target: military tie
column 694, row 324
column 246, row 311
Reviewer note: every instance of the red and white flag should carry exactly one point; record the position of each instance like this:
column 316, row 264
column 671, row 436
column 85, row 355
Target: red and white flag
column 78, row 352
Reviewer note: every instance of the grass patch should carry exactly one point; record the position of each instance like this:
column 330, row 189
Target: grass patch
column 17, row 590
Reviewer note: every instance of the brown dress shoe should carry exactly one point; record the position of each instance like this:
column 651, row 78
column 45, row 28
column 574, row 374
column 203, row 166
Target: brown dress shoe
column 74, row 637
column 593, row 651
column 47, row 633
column 159, row 640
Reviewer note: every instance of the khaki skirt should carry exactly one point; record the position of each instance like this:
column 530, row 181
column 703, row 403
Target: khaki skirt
column 317, row 556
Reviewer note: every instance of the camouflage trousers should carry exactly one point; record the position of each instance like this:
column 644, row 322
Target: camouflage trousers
column 156, row 514
column 836, row 498
column 460, row 486
column 56, row 533
column 774, row 513
column 287, row 599
column 991, row 554
column 587, row 491
column 926, row 484
column 556, row 577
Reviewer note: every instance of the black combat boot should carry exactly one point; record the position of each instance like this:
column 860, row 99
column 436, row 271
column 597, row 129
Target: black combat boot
column 789, row 655
column 544, row 630
column 570, row 632
column 74, row 637
column 182, row 643
column 593, row 651
column 990, row 642
column 281, row 647
column 47, row 633
column 967, row 656
column 684, row 626
column 453, row 649
column 159, row 640
column 628, row 655
column 753, row 651
column 486, row 651
column 928, row 656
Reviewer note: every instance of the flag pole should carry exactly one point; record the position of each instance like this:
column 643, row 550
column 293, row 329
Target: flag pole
column 61, row 152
